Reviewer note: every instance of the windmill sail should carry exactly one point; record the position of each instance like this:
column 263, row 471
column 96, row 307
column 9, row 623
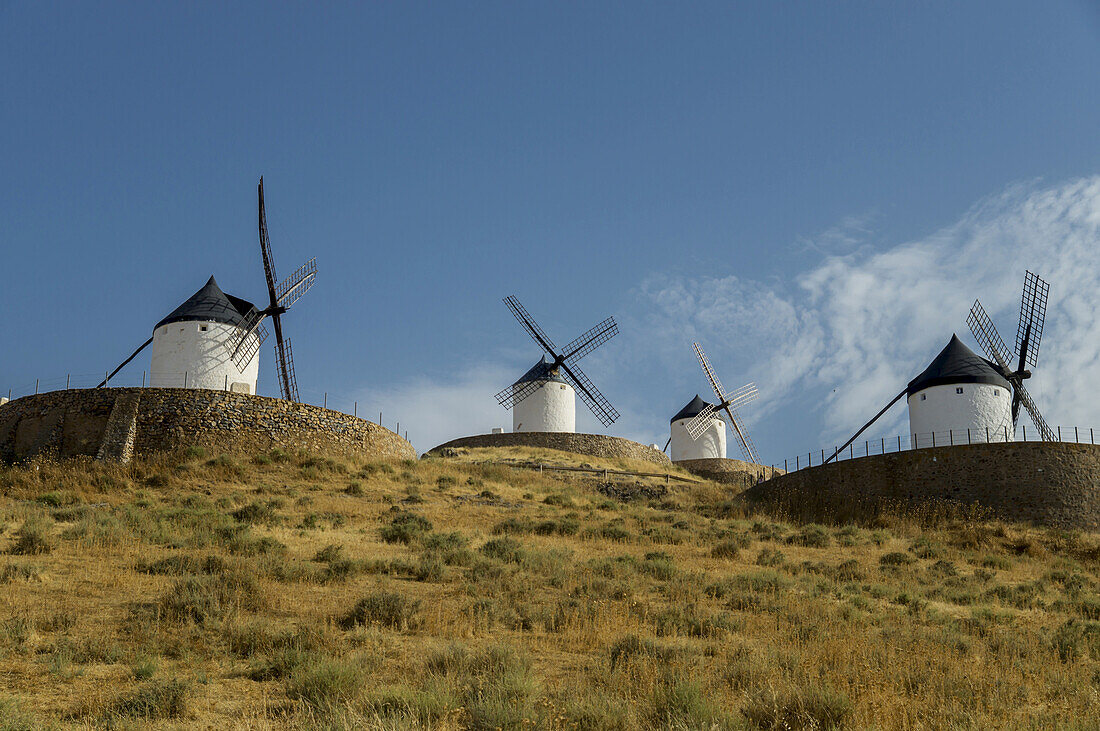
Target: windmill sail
column 564, row 362
column 727, row 407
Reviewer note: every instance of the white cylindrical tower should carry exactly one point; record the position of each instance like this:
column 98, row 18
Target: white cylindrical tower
column 961, row 398
column 711, row 444
column 189, row 344
column 551, row 406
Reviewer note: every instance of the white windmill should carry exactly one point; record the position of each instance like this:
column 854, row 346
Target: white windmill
column 962, row 398
column 698, row 431
column 213, row 339
column 543, row 399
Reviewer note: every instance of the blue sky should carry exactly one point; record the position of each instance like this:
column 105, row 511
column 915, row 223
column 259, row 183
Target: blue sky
column 769, row 178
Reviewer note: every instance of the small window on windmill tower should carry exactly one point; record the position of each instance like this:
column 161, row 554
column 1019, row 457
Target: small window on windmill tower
column 924, row 397
column 996, row 392
column 202, row 328
column 959, row 390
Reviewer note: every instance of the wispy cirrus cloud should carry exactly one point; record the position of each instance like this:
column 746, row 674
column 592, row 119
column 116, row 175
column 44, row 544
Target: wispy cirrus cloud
column 846, row 335
column 832, row 345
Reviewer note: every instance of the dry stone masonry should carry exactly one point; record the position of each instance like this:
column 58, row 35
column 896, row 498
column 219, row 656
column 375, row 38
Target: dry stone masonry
column 733, row 472
column 117, row 423
column 1047, row 483
column 594, row 445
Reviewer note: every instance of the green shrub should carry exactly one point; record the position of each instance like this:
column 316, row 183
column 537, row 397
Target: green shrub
column 559, row 500
column 384, row 609
column 33, row 538
column 513, row 526
column 405, row 527
column 563, row 527
column 726, row 549
column 330, row 553
column 204, row 598
column 682, row 704
column 152, row 701
column 659, row 565
column 504, row 549
column 354, row 489
column 57, row 499
column 896, row 558
column 631, row 646
column 258, row 512
column 325, row 683
column 812, row 536
column 11, row 572
column 807, row 707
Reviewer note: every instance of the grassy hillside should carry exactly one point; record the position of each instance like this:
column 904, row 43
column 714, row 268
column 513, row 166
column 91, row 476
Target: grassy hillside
column 277, row 590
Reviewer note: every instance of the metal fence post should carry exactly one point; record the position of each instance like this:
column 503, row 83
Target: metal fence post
column 987, row 433
column 785, row 466
column 1075, row 437
column 951, row 437
column 851, row 451
column 796, row 462
column 1059, row 433
column 326, row 400
column 36, row 387
column 809, row 462
column 67, row 381
column 143, row 379
column 1023, row 426
column 355, row 409
column 822, row 456
column 899, row 442
column 226, row 386
column 933, row 437
column 968, row 436
column 185, row 379
column 884, row 445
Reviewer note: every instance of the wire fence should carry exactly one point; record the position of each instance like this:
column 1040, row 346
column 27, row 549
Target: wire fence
column 927, row 440
column 71, row 381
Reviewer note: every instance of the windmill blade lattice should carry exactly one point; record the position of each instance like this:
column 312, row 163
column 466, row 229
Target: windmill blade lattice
column 747, row 447
column 590, row 395
column 530, row 325
column 245, row 340
column 280, row 299
column 297, row 284
column 511, row 396
column 589, row 341
column 701, row 421
column 727, row 406
column 995, row 349
column 986, row 335
column 1045, row 431
column 1033, row 314
column 565, row 362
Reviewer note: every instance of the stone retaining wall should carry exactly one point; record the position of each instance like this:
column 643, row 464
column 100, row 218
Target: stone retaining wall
column 739, row 475
column 75, row 422
column 1045, row 483
column 594, row 445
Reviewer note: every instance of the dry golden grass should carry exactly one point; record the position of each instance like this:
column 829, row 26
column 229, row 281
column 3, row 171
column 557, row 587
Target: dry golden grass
column 275, row 590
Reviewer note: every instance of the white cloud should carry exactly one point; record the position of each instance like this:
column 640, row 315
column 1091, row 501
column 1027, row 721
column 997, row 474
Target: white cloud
column 829, row 348
column 436, row 411
column 857, row 327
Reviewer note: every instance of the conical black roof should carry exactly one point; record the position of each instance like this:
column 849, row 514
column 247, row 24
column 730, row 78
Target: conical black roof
column 541, row 371
column 210, row 304
column 693, row 408
column 957, row 363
